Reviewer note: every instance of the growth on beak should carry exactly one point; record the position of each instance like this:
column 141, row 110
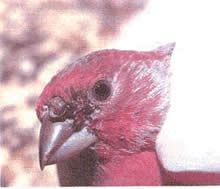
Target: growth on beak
column 64, row 132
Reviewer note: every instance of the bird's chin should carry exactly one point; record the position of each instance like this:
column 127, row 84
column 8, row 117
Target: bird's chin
column 59, row 141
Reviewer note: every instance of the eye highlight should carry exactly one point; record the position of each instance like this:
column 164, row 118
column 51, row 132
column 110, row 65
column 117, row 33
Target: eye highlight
column 101, row 90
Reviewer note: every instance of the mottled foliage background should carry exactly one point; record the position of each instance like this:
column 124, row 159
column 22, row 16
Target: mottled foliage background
column 38, row 38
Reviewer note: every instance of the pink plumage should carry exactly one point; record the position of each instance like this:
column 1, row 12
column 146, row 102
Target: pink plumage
column 119, row 97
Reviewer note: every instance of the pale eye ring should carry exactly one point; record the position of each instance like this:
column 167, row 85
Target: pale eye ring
column 101, row 90
column 57, row 107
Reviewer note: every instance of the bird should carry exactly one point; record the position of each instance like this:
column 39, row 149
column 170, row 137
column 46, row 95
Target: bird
column 100, row 117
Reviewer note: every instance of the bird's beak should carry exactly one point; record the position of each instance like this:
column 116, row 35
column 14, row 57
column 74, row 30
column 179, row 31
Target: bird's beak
column 59, row 141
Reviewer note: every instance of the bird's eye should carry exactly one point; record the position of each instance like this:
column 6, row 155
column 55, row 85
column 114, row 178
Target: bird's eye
column 57, row 107
column 101, row 90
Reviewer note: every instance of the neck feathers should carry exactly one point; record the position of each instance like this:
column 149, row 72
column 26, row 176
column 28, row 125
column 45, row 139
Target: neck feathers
column 140, row 169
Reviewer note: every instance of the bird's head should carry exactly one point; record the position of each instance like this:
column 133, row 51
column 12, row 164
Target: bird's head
column 110, row 99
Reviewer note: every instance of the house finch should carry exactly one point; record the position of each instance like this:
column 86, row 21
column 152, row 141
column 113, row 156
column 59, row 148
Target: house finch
column 101, row 116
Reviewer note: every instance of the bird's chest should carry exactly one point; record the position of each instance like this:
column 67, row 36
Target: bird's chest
column 132, row 170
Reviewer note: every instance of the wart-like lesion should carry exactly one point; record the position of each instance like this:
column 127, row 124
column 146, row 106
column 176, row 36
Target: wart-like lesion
column 79, row 110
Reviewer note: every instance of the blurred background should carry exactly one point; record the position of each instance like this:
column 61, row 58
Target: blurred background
column 37, row 39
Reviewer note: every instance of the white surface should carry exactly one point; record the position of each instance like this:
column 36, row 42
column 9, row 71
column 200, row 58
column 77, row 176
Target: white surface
column 190, row 138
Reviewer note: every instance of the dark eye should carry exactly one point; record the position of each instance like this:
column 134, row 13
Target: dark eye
column 101, row 90
column 57, row 107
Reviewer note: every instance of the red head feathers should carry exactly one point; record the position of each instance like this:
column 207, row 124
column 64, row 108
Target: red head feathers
column 112, row 100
